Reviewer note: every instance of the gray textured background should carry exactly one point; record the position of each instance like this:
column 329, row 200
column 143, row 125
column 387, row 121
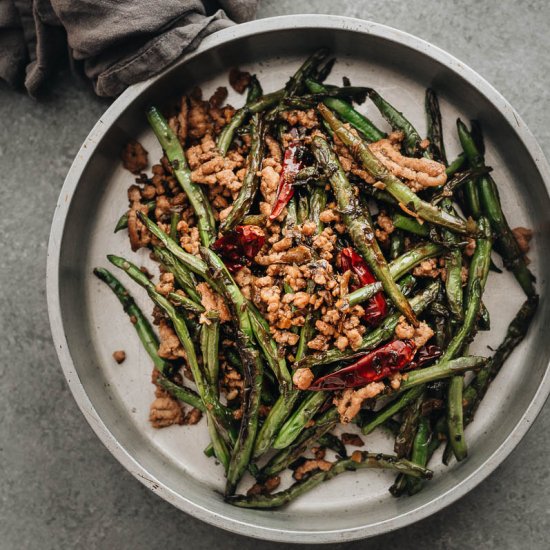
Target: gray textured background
column 60, row 487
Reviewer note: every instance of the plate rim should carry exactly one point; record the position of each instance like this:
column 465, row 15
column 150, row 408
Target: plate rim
column 301, row 21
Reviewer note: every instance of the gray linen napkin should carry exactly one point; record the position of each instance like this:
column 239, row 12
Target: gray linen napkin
column 117, row 42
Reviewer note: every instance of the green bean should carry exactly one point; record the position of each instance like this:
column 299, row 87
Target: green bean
column 275, row 419
column 122, row 222
column 399, row 191
column 398, row 122
column 195, row 194
column 256, row 106
column 174, row 219
column 398, row 269
column 407, row 431
column 330, row 441
column 471, row 185
column 391, row 409
column 455, row 420
column 247, row 192
column 371, row 340
column 189, row 261
column 307, row 101
column 296, row 83
column 292, row 428
column 185, row 303
column 453, row 268
column 148, row 338
column 253, row 379
column 359, row 225
column 182, row 393
column 322, row 73
column 443, row 369
column 397, row 244
column 254, row 219
column 435, row 127
column 413, row 257
column 420, row 453
column 308, row 437
column 456, row 165
column 302, row 208
column 210, row 341
column 348, row 113
column 182, row 275
column 515, row 334
column 455, row 182
column 361, row 460
column 477, row 277
column 221, row 415
column 252, row 370
column 219, row 446
column 411, row 225
column 254, row 90
column 506, row 244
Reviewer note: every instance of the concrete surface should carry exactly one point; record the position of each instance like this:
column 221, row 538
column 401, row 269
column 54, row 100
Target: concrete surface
column 60, row 487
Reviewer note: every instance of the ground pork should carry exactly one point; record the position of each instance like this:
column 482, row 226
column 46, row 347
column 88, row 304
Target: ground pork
column 298, row 255
column 470, row 248
column 329, row 215
column 352, row 439
column 385, row 228
column 192, row 417
column 212, row 301
column 427, row 268
column 134, row 157
column 268, row 486
column 303, row 378
column 417, row 172
column 165, row 411
column 420, row 334
column 199, row 122
column 210, row 168
column 307, row 119
column 239, row 80
column 349, row 402
column 165, row 284
column 245, row 279
column 309, row 466
column 523, row 237
column 231, row 383
column 119, row 356
column 274, row 149
column 347, row 160
column 170, row 346
column 269, row 181
column 178, row 122
column 137, row 232
column 189, row 237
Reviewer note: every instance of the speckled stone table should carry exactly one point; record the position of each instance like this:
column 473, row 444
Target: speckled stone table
column 60, row 486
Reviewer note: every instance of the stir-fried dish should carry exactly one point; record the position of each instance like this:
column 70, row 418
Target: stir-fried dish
column 316, row 273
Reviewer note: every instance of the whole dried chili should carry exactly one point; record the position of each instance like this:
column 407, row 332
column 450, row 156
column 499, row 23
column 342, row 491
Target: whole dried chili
column 376, row 365
column 425, row 355
column 376, row 308
column 239, row 246
column 293, row 162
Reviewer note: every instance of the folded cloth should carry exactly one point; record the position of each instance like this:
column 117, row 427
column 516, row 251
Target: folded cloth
column 117, row 42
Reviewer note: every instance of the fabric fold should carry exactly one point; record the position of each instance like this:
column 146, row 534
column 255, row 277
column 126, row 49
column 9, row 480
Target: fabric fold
column 116, row 42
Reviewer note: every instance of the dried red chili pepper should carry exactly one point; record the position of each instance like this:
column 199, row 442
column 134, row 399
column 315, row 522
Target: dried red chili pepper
column 239, row 246
column 425, row 355
column 376, row 308
column 373, row 366
column 292, row 164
